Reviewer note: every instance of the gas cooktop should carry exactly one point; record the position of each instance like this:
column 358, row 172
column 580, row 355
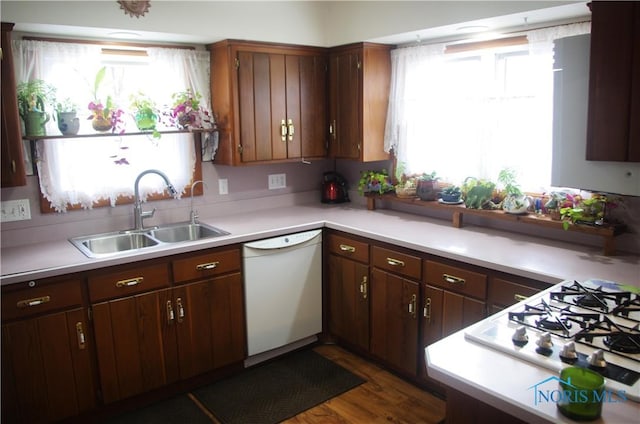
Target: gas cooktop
column 594, row 324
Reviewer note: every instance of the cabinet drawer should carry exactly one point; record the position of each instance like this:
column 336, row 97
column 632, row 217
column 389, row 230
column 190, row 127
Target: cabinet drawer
column 206, row 265
column 42, row 298
column 127, row 282
column 349, row 248
column 456, row 279
column 397, row 262
column 506, row 293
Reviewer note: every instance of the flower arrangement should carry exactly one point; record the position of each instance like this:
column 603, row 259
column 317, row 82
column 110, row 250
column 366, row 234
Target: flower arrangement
column 374, row 181
column 187, row 113
column 107, row 116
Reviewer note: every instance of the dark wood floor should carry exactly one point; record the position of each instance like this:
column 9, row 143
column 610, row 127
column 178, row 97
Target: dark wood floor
column 384, row 398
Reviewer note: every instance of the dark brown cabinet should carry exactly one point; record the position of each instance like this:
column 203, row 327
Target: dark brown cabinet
column 504, row 293
column 47, row 369
column 270, row 101
column 358, row 99
column 613, row 127
column 348, row 291
column 12, row 157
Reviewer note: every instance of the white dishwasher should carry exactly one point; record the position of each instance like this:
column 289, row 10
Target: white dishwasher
column 283, row 293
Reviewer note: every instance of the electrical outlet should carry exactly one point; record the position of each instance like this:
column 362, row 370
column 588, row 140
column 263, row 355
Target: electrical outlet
column 223, row 186
column 15, row 210
column 277, row 181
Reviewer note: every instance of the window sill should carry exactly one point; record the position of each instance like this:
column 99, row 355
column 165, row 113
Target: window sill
column 109, row 134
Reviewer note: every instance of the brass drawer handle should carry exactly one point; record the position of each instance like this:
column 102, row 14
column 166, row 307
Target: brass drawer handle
column 130, row 282
column 283, row 130
column 33, row 302
column 290, row 129
column 170, row 315
column 82, row 342
column 519, row 297
column 180, row 309
column 453, row 280
column 395, row 262
column 207, row 266
column 412, row 305
column 347, row 248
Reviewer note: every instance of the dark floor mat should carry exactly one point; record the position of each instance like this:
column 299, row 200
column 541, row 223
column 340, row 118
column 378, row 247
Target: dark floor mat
column 274, row 391
column 177, row 410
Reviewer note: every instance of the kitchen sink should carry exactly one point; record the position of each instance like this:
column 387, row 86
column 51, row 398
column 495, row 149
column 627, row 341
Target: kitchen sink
column 185, row 232
column 110, row 244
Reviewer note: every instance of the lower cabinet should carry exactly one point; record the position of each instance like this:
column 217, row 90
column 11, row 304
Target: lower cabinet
column 47, row 368
column 348, row 291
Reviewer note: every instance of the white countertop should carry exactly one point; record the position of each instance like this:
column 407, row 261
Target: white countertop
column 485, row 374
column 541, row 259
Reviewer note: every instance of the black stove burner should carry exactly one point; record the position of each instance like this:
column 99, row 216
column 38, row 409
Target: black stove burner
column 623, row 342
column 552, row 318
column 551, row 322
column 596, row 299
column 589, row 300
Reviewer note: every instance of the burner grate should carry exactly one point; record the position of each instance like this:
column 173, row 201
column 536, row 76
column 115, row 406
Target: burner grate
column 595, row 299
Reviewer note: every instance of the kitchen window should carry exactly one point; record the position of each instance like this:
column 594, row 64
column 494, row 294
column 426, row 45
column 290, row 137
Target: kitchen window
column 472, row 110
column 94, row 171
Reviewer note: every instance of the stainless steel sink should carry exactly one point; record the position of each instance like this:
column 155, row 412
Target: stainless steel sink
column 186, row 232
column 111, row 244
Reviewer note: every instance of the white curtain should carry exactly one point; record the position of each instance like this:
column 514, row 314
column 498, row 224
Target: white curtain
column 85, row 170
column 477, row 112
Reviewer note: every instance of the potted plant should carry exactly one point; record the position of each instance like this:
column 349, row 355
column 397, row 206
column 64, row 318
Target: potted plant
column 451, row 194
column 374, row 181
column 514, row 201
column 406, row 186
column 33, row 96
column 478, row 193
column 68, row 122
column 186, row 111
column 145, row 112
column 427, row 188
column 104, row 116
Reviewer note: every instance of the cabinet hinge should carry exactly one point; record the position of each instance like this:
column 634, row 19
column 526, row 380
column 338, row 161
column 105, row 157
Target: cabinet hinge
column 237, row 63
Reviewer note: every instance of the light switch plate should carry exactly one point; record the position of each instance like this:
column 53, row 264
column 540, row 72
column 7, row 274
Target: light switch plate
column 15, row 210
column 223, row 186
column 277, row 181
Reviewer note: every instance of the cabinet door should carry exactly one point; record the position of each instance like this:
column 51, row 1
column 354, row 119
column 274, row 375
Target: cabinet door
column 394, row 323
column 13, row 172
column 459, row 312
column 313, row 106
column 47, row 373
column 346, row 120
column 613, row 130
column 135, row 344
column 349, row 301
column 431, row 321
column 209, row 321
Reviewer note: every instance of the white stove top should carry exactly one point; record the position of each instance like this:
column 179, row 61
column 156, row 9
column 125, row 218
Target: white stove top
column 592, row 324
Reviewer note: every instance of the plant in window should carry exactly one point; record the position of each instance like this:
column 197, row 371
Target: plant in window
column 374, row 181
column 105, row 116
column 478, row 193
column 66, row 111
column 186, row 112
column 33, row 96
column 451, row 194
column 514, row 201
column 428, row 186
column 145, row 113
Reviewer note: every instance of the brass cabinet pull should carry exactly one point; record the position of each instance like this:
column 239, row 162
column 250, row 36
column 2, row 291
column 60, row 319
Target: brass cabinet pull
column 283, row 130
column 395, row 262
column 27, row 303
column 347, row 248
column 332, row 129
column 13, row 166
column 130, row 282
column 207, row 266
column 519, row 297
column 426, row 312
column 363, row 287
column 412, row 305
column 180, row 309
column 452, row 279
column 290, row 129
column 81, row 338
column 170, row 315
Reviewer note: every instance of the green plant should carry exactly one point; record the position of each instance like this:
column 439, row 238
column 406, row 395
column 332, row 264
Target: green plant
column 478, row 193
column 377, row 181
column 507, row 177
column 145, row 112
column 66, row 105
column 34, row 95
column 451, row 190
column 428, row 177
column 107, row 111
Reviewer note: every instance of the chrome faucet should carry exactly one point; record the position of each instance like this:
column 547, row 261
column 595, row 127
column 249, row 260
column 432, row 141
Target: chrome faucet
column 193, row 214
column 138, row 214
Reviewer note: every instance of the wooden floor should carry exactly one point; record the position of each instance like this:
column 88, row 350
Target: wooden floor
column 384, row 398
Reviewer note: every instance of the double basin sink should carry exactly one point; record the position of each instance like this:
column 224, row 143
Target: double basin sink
column 110, row 244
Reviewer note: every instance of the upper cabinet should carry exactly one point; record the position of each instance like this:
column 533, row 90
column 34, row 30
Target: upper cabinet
column 13, row 171
column 270, row 101
column 359, row 95
column 613, row 131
